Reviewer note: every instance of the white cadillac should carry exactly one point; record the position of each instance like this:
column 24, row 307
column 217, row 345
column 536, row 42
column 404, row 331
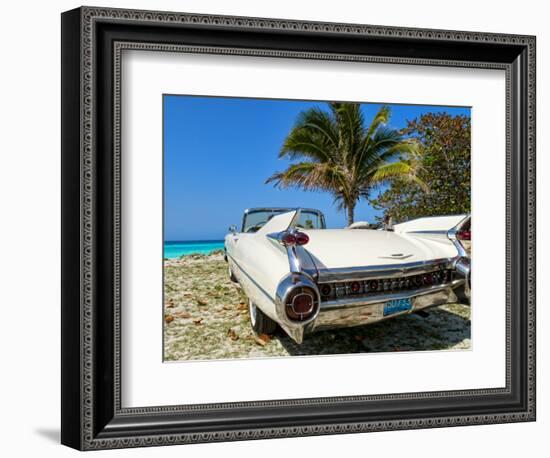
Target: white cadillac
column 303, row 277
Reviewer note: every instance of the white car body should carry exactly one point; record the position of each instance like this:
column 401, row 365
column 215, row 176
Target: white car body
column 349, row 277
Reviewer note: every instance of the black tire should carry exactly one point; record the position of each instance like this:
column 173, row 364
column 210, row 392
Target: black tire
column 461, row 295
column 260, row 322
column 232, row 275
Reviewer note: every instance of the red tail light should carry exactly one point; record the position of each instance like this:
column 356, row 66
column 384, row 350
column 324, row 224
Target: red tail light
column 301, row 304
column 464, row 235
column 288, row 239
column 294, row 238
column 355, row 287
column 326, row 290
column 301, row 238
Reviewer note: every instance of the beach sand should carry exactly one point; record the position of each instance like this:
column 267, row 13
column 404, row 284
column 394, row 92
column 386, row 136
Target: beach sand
column 206, row 317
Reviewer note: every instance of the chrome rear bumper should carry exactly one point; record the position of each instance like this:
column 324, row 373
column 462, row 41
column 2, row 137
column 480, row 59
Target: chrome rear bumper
column 356, row 311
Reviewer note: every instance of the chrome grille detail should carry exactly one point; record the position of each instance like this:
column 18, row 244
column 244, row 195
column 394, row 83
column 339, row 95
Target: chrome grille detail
column 372, row 286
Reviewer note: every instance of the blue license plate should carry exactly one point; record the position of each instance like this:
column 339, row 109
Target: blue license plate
column 396, row 306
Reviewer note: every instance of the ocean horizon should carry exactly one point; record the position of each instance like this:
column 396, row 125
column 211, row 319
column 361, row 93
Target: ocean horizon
column 176, row 248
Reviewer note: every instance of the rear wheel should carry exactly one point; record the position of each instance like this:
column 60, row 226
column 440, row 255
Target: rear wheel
column 231, row 275
column 260, row 322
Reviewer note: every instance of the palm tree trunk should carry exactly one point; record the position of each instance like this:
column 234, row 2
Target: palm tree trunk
column 351, row 211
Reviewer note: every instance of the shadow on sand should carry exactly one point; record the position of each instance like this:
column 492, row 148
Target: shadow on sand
column 439, row 330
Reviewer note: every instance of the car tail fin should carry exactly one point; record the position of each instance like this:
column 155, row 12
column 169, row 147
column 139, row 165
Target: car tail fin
column 278, row 223
column 461, row 236
column 431, row 224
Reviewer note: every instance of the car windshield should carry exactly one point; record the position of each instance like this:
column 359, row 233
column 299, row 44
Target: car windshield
column 308, row 219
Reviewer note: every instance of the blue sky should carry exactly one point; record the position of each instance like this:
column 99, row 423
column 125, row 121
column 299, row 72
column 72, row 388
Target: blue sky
column 219, row 151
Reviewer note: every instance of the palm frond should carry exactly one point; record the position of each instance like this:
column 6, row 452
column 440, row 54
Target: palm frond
column 377, row 140
column 381, row 118
column 314, row 135
column 300, row 144
column 311, row 176
column 340, row 154
column 351, row 126
column 390, row 151
column 397, row 170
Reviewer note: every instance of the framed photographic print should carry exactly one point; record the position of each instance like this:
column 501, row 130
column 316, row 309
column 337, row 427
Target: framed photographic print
column 278, row 228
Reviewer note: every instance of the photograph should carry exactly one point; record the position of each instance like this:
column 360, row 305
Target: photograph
column 308, row 228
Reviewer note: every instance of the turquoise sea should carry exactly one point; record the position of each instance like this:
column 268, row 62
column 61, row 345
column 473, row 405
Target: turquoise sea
column 175, row 249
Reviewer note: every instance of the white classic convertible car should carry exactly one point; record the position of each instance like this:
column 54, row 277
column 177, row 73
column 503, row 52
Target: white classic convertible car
column 303, row 277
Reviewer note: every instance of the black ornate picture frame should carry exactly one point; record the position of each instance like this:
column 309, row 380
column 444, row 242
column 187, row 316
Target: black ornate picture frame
column 92, row 42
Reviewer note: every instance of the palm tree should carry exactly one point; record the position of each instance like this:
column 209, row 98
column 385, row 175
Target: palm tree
column 339, row 154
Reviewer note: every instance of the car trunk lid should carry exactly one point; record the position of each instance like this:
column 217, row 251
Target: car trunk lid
column 345, row 248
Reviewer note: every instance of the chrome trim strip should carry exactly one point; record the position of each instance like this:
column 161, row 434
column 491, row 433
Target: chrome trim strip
column 425, row 232
column 361, row 315
column 293, row 260
column 343, row 274
column 286, row 286
column 313, row 273
column 292, row 255
column 259, row 209
column 452, row 236
column 362, row 300
column 463, row 267
column 295, row 329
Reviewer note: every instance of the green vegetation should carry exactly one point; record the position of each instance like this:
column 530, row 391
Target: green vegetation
column 337, row 152
column 444, row 166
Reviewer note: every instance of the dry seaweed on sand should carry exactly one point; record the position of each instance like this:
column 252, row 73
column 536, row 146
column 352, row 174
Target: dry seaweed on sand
column 209, row 320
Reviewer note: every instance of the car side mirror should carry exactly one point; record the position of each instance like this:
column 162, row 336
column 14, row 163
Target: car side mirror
column 233, row 229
